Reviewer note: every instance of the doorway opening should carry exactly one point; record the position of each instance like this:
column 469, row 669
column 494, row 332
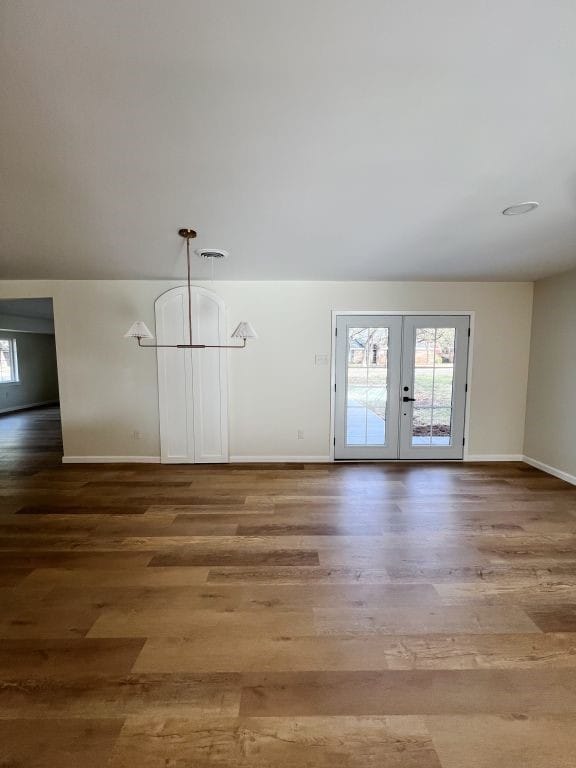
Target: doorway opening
column 400, row 386
column 30, row 424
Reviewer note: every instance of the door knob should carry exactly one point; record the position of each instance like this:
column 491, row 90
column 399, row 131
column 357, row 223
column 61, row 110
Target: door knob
column 408, row 399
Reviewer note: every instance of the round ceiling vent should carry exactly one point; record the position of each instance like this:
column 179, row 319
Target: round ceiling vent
column 519, row 208
column 212, row 253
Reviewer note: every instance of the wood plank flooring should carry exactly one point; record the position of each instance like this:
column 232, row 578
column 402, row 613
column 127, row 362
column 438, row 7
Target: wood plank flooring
column 293, row 616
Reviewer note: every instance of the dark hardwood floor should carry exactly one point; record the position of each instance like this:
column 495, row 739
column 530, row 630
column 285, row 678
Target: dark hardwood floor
column 282, row 616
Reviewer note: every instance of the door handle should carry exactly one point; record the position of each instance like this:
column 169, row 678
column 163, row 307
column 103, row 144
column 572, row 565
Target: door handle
column 408, row 399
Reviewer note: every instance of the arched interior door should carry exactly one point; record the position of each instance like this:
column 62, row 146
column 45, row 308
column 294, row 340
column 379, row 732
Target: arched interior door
column 192, row 383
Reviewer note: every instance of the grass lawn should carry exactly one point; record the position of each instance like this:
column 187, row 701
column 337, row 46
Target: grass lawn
column 367, row 386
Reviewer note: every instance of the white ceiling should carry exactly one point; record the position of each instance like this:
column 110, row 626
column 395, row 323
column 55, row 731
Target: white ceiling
column 313, row 139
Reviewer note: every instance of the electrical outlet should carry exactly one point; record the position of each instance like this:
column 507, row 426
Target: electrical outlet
column 300, row 434
column 136, row 435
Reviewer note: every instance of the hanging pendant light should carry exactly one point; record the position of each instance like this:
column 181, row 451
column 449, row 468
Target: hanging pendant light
column 139, row 330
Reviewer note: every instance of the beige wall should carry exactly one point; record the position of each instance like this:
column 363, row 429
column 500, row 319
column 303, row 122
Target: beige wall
column 550, row 414
column 37, row 368
column 108, row 386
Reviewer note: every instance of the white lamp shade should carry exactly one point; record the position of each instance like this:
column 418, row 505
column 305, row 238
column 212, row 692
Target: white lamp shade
column 244, row 330
column 138, row 330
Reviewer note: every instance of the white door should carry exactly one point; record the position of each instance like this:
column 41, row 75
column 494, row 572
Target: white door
column 367, row 384
column 192, row 383
column 400, row 386
column 433, row 396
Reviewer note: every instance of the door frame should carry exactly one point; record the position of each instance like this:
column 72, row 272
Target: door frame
column 400, row 312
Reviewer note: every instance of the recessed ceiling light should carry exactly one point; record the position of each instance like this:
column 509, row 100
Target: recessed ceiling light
column 519, row 208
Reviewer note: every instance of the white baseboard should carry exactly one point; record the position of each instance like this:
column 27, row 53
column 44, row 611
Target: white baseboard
column 28, row 405
column 110, row 459
column 551, row 470
column 289, row 460
column 156, row 459
column 279, row 459
column 494, row 457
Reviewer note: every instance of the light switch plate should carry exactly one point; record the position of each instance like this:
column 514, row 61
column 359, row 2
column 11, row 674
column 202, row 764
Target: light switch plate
column 321, row 358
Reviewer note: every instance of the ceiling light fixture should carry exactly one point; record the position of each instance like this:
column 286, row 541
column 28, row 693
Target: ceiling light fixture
column 519, row 208
column 243, row 330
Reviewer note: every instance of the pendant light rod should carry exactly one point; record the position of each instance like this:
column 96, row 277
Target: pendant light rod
column 189, row 234
column 139, row 330
column 191, row 346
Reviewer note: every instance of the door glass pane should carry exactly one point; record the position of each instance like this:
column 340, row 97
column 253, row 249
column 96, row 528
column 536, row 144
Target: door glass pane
column 367, row 386
column 433, row 385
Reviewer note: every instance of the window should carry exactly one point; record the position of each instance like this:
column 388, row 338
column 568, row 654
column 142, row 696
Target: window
column 8, row 361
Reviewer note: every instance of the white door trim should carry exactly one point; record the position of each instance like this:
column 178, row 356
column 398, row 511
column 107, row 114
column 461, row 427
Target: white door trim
column 335, row 312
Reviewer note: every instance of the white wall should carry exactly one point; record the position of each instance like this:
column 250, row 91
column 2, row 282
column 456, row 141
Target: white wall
column 550, row 415
column 108, row 386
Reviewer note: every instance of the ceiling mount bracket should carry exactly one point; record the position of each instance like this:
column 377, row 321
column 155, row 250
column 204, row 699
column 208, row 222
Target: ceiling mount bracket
column 188, row 234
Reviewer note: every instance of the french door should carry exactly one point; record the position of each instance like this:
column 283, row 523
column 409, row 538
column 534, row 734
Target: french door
column 400, row 386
